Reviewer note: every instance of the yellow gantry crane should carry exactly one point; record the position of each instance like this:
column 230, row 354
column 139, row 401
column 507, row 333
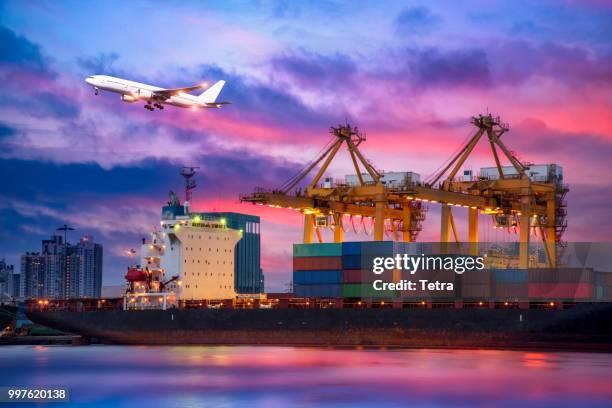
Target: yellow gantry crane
column 370, row 198
column 535, row 204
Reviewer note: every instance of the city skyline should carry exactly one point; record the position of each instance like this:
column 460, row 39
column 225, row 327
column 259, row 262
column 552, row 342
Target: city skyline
column 409, row 74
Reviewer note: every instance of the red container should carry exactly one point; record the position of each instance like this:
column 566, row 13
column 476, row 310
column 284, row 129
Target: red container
column 476, row 290
column 562, row 290
column 511, row 291
column 351, row 276
column 313, row 263
column 365, row 276
column 561, row 275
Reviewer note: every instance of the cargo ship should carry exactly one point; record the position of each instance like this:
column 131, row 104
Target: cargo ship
column 333, row 303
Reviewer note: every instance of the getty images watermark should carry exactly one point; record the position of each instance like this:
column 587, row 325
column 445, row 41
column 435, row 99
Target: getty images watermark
column 415, row 263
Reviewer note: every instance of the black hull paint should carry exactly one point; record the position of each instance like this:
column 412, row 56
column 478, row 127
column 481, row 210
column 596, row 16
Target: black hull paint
column 584, row 327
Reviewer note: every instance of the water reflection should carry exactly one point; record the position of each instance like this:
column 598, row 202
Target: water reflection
column 302, row 377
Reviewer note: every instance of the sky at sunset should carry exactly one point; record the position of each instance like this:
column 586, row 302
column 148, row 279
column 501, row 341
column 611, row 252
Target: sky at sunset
column 409, row 74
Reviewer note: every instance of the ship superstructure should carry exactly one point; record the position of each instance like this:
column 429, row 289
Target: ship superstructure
column 187, row 258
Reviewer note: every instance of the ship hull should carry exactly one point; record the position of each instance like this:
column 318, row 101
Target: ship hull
column 584, row 327
column 8, row 314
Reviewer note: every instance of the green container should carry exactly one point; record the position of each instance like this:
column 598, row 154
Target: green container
column 325, row 249
column 365, row 290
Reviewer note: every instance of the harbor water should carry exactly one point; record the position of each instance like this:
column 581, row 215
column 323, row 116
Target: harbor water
column 194, row 376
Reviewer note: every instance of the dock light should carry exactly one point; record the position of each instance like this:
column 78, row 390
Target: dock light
column 40, row 302
column 423, row 303
column 307, row 303
column 160, row 300
column 505, row 303
column 223, row 221
column 479, row 303
column 382, row 303
column 132, row 300
column 197, row 218
column 359, row 303
column 552, row 304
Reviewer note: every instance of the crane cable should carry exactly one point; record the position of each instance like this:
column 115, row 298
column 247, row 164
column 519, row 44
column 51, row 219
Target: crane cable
column 457, row 150
column 299, row 174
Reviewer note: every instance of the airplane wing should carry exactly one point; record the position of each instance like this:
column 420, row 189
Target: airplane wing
column 166, row 93
column 215, row 104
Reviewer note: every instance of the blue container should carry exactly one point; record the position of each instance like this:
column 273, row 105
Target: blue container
column 599, row 278
column 316, row 277
column 511, row 275
column 351, row 248
column 377, row 248
column 321, row 291
column 351, row 262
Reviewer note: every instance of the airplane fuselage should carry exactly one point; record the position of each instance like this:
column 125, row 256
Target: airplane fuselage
column 153, row 96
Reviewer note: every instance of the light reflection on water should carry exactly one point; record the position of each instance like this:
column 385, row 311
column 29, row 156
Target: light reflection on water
column 192, row 376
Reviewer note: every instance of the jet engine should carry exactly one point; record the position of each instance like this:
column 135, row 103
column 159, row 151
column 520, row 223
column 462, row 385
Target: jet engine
column 144, row 94
column 129, row 98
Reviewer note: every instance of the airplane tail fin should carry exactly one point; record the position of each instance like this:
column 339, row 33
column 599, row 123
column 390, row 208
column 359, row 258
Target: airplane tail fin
column 210, row 95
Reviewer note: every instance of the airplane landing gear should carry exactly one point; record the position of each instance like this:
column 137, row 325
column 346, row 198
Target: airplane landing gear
column 159, row 106
column 96, row 90
column 149, row 107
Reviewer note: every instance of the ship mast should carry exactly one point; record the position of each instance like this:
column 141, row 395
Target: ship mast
column 190, row 184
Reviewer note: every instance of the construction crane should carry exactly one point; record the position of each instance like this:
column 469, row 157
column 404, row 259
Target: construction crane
column 369, row 198
column 534, row 204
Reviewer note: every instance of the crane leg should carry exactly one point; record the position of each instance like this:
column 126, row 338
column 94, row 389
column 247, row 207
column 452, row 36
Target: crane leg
column 337, row 227
column 551, row 236
column 308, row 228
column 445, row 227
column 473, row 231
column 406, row 218
column 379, row 220
column 525, row 228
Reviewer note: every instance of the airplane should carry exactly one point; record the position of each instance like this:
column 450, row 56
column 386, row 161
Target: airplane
column 156, row 97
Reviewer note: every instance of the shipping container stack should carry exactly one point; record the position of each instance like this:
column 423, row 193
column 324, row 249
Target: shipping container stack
column 317, row 270
column 543, row 284
column 357, row 274
column 328, row 270
column 344, row 270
